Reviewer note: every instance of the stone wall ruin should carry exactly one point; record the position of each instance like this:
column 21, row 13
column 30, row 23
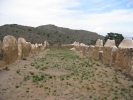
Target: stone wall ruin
column 120, row 57
column 124, row 58
column 12, row 50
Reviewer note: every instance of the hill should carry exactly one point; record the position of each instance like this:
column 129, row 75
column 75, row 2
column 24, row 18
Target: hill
column 51, row 33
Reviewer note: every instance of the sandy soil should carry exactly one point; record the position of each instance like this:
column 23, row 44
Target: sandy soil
column 62, row 75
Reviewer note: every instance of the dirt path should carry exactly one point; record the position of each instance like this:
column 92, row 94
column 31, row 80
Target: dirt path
column 9, row 79
column 60, row 74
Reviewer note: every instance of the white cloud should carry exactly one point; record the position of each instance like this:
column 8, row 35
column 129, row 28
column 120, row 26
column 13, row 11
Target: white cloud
column 59, row 12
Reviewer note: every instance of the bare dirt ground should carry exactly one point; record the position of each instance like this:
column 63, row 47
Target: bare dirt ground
column 61, row 74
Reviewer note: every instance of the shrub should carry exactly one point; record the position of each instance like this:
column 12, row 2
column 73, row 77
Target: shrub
column 17, row 86
column 18, row 71
column 6, row 68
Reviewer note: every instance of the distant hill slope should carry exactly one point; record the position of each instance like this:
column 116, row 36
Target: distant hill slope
column 51, row 33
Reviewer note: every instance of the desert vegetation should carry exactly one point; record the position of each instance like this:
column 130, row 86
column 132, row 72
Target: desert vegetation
column 62, row 74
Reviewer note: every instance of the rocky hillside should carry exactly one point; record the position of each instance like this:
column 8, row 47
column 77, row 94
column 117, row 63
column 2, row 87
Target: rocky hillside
column 51, row 33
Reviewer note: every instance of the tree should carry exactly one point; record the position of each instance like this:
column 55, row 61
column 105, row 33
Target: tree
column 114, row 36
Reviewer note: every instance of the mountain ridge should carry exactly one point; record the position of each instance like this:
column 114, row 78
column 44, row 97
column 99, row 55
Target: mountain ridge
column 51, row 33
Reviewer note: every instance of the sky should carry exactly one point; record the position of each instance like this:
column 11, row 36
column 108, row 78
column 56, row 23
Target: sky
column 100, row 16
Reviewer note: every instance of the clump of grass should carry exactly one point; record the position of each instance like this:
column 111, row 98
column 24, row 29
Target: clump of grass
column 32, row 73
column 25, row 65
column 43, row 68
column 32, row 64
column 18, row 71
column 90, row 97
column 123, row 89
column 50, row 77
column 88, row 88
column 17, row 86
column 47, row 62
column 131, row 86
column 62, row 78
column 26, row 78
column 116, row 97
column 27, row 91
column 116, row 80
column 6, row 68
column 37, row 66
column 41, row 86
column 62, row 58
column 24, row 59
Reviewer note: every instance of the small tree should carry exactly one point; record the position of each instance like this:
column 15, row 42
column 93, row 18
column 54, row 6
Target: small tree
column 114, row 36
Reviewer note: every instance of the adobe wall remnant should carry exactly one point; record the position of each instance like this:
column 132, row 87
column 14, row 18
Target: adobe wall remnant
column 41, row 47
column 67, row 46
column 21, row 48
column 91, row 51
column 33, row 49
column 126, row 43
column 110, row 43
column 109, row 52
column 82, row 48
column 124, row 58
column 27, row 50
column 10, row 49
column 99, row 43
column 97, row 54
column 46, row 45
column 120, row 58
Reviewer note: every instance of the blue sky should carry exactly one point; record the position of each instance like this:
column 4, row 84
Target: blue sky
column 101, row 16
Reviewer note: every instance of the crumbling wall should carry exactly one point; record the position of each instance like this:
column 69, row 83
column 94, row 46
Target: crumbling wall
column 41, row 47
column 33, row 49
column 46, row 45
column 99, row 43
column 27, row 50
column 96, row 52
column 97, row 49
column 87, row 51
column 110, row 43
column 113, row 56
column 91, row 51
column 37, row 48
column 67, row 46
column 24, row 48
column 57, row 46
column 120, row 58
column 124, row 58
column 10, row 49
column 21, row 47
column 109, row 52
column 82, row 49
column 77, row 46
column 126, row 43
